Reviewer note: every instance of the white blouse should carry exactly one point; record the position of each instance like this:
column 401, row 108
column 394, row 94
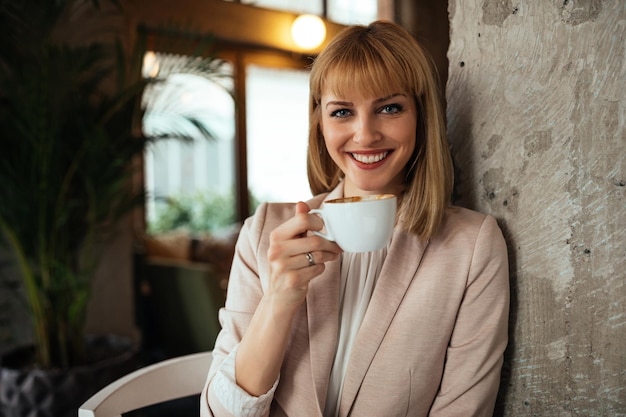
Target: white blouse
column 359, row 273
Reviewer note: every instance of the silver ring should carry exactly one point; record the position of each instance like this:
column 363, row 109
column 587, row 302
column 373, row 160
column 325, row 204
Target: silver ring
column 309, row 257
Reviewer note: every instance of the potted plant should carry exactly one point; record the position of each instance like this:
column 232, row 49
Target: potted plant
column 66, row 116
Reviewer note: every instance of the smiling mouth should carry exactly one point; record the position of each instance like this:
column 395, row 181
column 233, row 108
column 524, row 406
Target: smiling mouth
column 370, row 158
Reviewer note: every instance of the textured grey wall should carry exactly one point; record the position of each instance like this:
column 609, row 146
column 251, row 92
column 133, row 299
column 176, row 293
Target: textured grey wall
column 537, row 120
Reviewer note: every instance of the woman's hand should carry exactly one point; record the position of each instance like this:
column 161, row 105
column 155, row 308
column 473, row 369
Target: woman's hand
column 296, row 257
column 262, row 348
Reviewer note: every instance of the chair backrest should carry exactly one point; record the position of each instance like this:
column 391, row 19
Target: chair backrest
column 163, row 381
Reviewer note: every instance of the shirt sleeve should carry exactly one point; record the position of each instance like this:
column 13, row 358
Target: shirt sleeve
column 474, row 357
column 233, row 398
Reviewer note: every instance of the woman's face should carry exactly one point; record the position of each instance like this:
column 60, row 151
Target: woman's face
column 371, row 139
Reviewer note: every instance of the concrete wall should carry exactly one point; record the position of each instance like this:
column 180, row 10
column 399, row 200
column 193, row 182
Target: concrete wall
column 537, row 118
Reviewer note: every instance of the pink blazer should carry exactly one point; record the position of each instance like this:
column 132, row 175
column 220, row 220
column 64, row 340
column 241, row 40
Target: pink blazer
column 431, row 342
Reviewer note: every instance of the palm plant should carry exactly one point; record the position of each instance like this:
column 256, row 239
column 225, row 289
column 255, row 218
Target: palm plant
column 66, row 117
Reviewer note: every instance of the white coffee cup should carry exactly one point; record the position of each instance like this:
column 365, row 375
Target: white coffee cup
column 359, row 224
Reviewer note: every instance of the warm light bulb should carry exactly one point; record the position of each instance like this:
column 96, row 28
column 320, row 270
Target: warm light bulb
column 150, row 67
column 308, row 31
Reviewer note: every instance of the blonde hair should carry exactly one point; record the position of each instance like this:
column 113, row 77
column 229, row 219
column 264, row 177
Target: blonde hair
column 380, row 59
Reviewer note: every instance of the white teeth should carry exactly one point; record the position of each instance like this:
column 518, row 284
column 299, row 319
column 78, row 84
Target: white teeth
column 369, row 159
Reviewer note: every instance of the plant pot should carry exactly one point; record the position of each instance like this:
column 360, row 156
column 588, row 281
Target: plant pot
column 29, row 391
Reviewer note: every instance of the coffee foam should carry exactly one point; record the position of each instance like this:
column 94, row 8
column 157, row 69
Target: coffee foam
column 357, row 199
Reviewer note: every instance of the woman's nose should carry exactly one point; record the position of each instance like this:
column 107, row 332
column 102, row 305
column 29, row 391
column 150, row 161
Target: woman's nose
column 366, row 131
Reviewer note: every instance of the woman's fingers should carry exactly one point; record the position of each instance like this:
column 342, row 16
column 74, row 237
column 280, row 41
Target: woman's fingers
column 291, row 255
column 296, row 227
column 302, row 207
column 293, row 252
column 297, row 256
column 292, row 239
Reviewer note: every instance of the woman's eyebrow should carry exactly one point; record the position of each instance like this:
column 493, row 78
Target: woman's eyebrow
column 389, row 97
column 338, row 103
column 378, row 100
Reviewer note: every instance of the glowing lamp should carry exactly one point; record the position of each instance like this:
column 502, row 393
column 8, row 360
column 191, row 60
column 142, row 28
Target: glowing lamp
column 150, row 67
column 308, row 31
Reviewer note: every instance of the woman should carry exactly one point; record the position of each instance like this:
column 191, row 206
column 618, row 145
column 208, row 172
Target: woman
column 416, row 329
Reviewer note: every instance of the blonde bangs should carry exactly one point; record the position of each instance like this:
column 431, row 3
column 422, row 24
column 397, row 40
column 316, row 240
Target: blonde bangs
column 369, row 77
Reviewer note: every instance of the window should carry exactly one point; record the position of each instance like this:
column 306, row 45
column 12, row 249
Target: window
column 190, row 185
column 352, row 12
column 277, row 133
column 340, row 11
column 297, row 6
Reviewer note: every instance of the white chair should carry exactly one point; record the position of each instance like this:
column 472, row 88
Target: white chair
column 163, row 381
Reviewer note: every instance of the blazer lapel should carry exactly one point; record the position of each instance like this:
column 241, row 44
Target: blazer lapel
column 399, row 269
column 323, row 318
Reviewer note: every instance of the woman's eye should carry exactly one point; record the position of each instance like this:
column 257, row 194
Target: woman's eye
column 340, row 113
column 391, row 108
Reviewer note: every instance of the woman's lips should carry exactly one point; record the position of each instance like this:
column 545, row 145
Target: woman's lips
column 369, row 160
